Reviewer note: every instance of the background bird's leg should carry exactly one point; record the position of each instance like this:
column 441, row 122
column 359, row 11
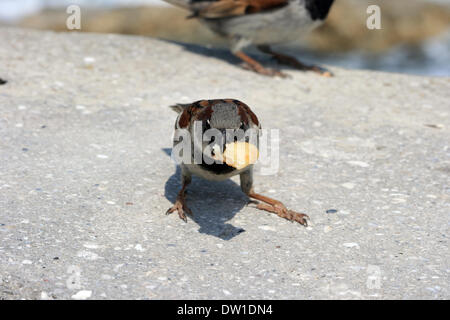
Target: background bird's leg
column 293, row 62
column 270, row 205
column 255, row 66
column 180, row 203
column 237, row 44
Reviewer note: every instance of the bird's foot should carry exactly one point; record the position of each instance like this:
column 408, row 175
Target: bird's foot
column 293, row 62
column 264, row 71
column 181, row 208
column 283, row 212
column 253, row 65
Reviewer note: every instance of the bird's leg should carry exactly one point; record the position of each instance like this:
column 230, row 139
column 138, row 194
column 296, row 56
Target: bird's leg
column 255, row 66
column 180, row 203
column 279, row 208
column 293, row 62
column 270, row 205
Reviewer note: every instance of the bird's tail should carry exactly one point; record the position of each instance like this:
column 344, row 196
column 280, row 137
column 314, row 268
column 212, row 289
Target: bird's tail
column 179, row 107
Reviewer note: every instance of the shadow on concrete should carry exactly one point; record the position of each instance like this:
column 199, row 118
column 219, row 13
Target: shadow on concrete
column 226, row 55
column 212, row 203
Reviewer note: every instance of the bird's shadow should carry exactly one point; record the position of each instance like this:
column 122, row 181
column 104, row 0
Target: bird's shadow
column 212, row 203
column 224, row 54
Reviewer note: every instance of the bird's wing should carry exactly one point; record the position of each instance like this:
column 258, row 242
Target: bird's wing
column 213, row 9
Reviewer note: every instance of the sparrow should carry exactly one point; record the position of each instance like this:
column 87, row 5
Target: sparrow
column 224, row 134
column 261, row 23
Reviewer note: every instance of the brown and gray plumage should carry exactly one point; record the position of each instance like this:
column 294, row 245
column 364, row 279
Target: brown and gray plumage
column 221, row 114
column 261, row 23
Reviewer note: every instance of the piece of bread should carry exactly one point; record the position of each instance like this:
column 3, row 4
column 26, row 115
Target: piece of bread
column 240, row 154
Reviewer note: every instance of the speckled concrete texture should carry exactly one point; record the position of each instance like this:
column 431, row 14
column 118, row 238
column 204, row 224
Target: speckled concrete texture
column 85, row 178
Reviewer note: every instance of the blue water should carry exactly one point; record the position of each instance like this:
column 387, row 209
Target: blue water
column 431, row 58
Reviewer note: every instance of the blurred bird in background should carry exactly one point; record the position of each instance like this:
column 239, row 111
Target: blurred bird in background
column 236, row 155
column 261, row 23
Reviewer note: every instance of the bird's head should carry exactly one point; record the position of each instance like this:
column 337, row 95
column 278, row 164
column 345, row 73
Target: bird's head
column 225, row 130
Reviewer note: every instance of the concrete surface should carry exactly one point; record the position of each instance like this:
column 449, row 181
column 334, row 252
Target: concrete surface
column 85, row 178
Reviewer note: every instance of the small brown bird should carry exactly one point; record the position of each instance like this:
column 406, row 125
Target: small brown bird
column 262, row 23
column 227, row 145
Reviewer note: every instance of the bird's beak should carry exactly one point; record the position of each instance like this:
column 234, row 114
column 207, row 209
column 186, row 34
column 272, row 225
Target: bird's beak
column 237, row 154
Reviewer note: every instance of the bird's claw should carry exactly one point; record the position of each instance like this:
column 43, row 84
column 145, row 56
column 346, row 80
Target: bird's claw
column 298, row 217
column 283, row 212
column 265, row 71
column 181, row 208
